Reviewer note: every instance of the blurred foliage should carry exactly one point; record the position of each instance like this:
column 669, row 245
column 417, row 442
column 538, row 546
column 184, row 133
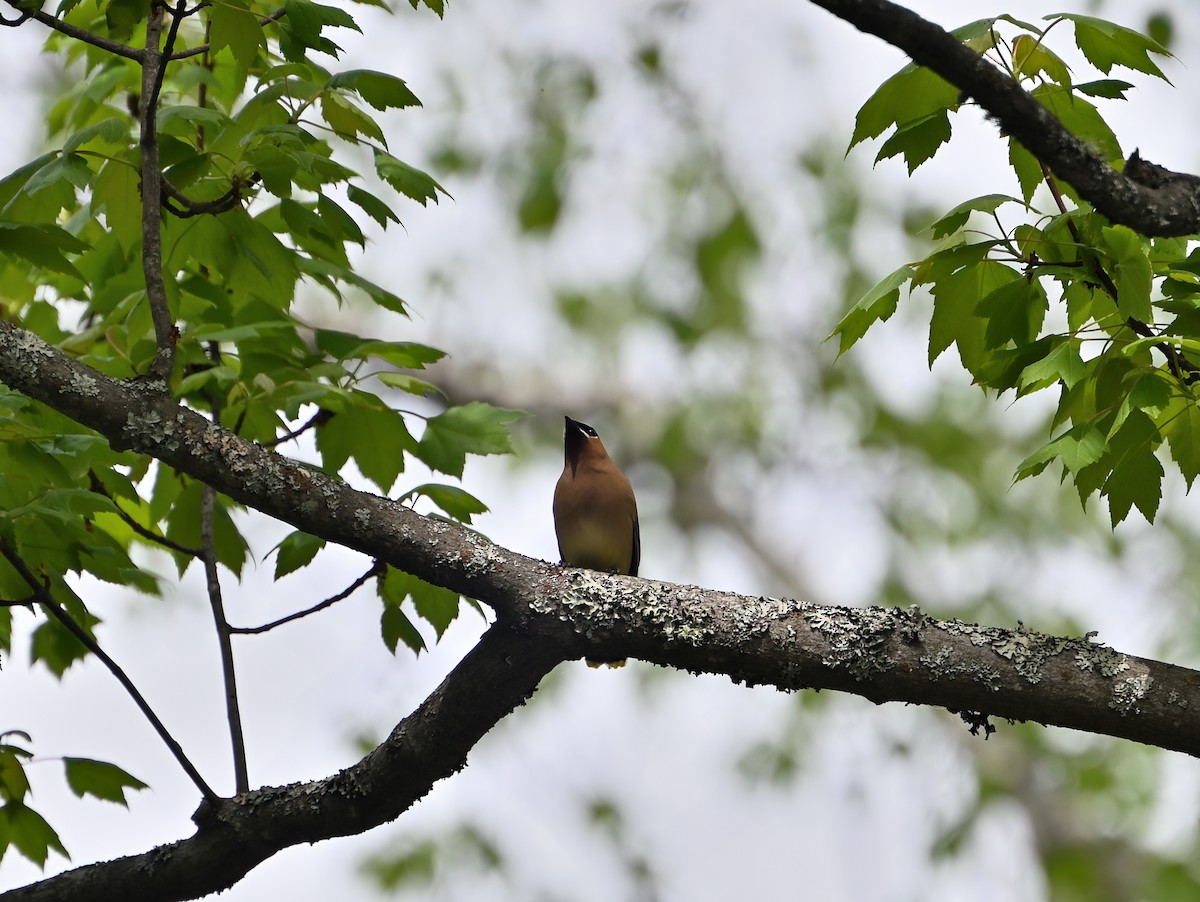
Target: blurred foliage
column 756, row 441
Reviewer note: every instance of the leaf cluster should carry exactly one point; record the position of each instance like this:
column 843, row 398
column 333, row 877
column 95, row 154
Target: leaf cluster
column 1038, row 291
column 259, row 210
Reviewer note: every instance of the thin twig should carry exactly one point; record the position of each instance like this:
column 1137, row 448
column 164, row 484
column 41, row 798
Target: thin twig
column 319, row 418
column 1182, row 368
column 46, row 600
column 152, row 267
column 240, row 772
column 73, row 31
column 148, row 534
column 377, row 569
column 188, row 207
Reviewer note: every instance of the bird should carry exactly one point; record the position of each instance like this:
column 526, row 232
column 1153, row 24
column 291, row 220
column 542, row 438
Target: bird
column 595, row 512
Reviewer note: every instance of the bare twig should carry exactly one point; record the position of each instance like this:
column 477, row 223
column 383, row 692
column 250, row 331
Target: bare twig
column 1182, row 368
column 46, row 600
column 72, row 31
column 184, row 206
column 377, row 569
column 148, row 534
column 494, row 678
column 241, row 774
column 320, row 418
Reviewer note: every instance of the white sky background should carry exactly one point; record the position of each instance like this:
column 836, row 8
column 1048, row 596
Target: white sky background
column 767, row 76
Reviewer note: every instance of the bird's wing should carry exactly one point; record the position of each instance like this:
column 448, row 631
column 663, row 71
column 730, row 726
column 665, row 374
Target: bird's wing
column 637, row 548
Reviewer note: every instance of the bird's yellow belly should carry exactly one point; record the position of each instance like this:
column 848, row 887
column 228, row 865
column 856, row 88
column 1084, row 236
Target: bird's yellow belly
column 592, row 544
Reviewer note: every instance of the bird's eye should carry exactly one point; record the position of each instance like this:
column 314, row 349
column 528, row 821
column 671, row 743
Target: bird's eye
column 590, row 431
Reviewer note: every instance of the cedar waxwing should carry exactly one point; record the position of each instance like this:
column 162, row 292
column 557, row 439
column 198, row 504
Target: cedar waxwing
column 595, row 514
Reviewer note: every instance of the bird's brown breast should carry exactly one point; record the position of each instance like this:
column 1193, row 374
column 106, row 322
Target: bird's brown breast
column 595, row 516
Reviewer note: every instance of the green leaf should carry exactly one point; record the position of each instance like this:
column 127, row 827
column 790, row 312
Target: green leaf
column 1108, row 88
column 380, row 90
column 109, row 134
column 1106, row 44
column 296, row 550
column 233, row 25
column 117, row 195
column 474, row 428
column 410, row 384
column 1031, row 56
column 183, row 119
column 912, row 94
column 372, row 206
column 122, row 16
column 436, row 606
column 917, row 141
column 1064, row 364
column 438, row 6
column 14, row 784
column 454, row 501
column 1081, row 118
column 1014, row 312
column 396, row 628
column 27, row 831
column 1136, row 477
column 954, row 320
column 1132, row 271
column 1027, row 168
column 1180, row 425
column 410, row 182
column 957, row 218
column 347, row 120
column 380, row 457
column 100, row 779
column 877, row 304
column 1150, row 393
column 405, row 354
column 56, row 647
column 67, row 169
column 42, row 245
column 303, row 25
column 1078, row 447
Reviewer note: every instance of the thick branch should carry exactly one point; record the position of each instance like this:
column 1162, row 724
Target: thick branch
column 1170, row 208
column 882, row 655
column 235, row 835
column 547, row 614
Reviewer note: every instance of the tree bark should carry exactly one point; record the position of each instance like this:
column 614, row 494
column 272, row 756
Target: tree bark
column 1169, row 207
column 547, row 614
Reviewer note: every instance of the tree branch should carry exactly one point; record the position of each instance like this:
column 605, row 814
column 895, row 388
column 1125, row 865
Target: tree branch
column 153, row 65
column 114, row 47
column 43, row 597
column 561, row 613
column 148, row 534
column 1165, row 207
column 377, row 569
column 432, row 743
column 213, row 583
